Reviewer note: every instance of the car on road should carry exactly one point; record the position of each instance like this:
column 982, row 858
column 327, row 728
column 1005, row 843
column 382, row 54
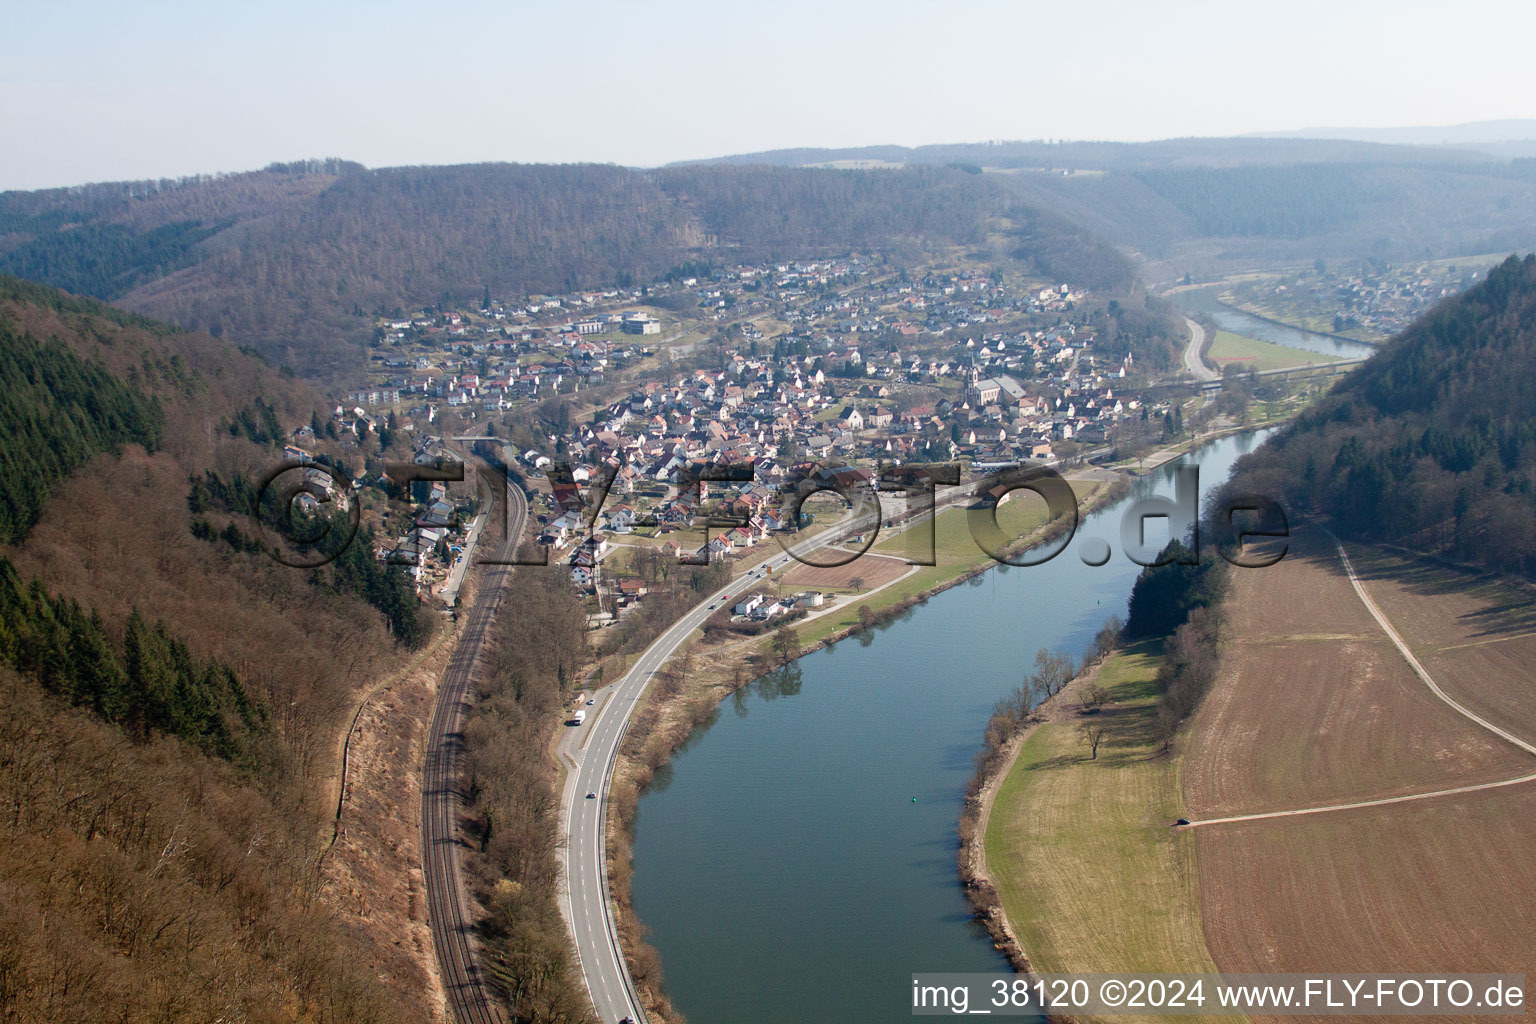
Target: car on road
column 591, row 796
column 627, row 1020
column 591, row 702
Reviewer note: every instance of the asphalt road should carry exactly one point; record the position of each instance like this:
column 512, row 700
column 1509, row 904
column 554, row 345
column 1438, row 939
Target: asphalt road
column 1192, row 361
column 441, row 800
column 595, row 749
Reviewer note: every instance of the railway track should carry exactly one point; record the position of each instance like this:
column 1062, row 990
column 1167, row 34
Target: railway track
column 449, row 918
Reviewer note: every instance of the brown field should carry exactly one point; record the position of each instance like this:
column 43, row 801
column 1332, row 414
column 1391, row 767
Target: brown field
column 1438, row 885
column 1314, row 706
column 874, row 570
column 1476, row 637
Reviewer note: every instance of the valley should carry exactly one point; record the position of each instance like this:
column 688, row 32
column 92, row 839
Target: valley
column 412, row 608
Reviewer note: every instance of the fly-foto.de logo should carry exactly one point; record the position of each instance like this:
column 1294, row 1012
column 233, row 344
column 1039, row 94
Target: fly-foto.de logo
column 315, row 516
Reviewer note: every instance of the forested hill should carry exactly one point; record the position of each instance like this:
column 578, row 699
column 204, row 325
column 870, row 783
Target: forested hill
column 172, row 696
column 1104, row 156
column 1432, row 443
column 294, row 259
column 1203, row 204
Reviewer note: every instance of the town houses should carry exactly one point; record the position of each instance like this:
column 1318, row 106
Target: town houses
column 769, row 367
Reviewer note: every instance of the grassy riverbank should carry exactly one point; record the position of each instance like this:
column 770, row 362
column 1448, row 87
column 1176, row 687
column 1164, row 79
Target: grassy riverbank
column 1090, row 875
column 1255, row 354
column 717, row 668
column 956, row 553
column 1316, row 323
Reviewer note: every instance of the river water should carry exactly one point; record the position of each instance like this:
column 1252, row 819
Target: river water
column 1204, row 300
column 796, row 861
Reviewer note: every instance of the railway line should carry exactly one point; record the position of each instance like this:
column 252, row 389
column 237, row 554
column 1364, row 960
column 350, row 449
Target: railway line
column 449, row 918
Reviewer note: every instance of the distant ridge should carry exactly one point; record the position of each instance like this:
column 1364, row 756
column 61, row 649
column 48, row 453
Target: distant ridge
column 1509, row 138
column 1102, row 155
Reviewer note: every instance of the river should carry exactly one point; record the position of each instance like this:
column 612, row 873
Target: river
column 796, row 861
column 1204, row 300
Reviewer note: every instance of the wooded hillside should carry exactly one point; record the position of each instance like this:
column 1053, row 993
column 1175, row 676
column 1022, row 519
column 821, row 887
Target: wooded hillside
column 1431, row 444
column 1205, row 203
column 172, row 705
column 296, row 259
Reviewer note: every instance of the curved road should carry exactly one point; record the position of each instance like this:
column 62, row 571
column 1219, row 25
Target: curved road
column 592, row 750
column 1192, row 361
column 588, row 909
column 448, row 913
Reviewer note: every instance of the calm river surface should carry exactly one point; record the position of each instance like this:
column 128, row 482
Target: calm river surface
column 782, row 864
column 1203, row 300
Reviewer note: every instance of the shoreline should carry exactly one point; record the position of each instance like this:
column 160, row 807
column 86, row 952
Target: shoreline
column 975, row 816
column 1298, row 327
column 663, row 724
column 1188, row 445
column 972, row 867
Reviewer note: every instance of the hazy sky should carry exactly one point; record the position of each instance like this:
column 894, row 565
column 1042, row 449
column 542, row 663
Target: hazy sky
column 102, row 91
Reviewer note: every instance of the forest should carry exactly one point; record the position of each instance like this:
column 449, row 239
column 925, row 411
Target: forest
column 1262, row 198
column 107, row 260
column 152, row 880
column 1285, row 202
column 296, row 260
column 1430, row 444
column 57, row 411
column 148, row 683
column 172, row 706
column 351, row 567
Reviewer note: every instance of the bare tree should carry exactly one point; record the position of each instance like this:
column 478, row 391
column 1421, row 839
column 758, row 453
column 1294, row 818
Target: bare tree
column 1108, row 636
column 857, row 583
column 1052, row 672
column 1017, row 706
column 1094, row 698
column 1165, row 727
column 1092, row 732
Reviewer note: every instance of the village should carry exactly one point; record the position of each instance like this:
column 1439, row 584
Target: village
column 776, row 369
column 1370, row 302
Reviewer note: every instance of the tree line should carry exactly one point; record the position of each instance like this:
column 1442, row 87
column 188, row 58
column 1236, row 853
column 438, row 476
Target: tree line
column 1178, row 601
column 539, row 654
column 57, row 412
column 147, row 682
column 352, row 568
column 1431, row 443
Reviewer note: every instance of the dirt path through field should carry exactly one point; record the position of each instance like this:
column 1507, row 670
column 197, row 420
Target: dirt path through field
column 1434, row 688
column 1413, row 662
